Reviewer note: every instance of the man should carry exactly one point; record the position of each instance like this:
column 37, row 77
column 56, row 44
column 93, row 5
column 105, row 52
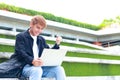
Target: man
column 28, row 49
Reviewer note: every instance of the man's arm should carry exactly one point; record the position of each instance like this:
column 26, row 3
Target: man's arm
column 58, row 41
column 56, row 46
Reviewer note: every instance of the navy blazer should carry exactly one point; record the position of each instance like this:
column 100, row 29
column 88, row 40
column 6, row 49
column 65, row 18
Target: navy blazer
column 23, row 47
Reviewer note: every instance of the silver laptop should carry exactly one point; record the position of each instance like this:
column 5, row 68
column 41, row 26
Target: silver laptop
column 53, row 57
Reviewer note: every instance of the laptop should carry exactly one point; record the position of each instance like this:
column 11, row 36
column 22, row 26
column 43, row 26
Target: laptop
column 53, row 57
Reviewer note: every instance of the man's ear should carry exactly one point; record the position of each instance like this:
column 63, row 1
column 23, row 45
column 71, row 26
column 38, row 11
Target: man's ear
column 31, row 24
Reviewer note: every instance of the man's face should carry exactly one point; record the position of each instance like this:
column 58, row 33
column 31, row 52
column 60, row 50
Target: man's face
column 36, row 29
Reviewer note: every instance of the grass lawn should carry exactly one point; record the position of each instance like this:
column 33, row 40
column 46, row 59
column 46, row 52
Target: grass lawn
column 90, row 69
column 6, row 48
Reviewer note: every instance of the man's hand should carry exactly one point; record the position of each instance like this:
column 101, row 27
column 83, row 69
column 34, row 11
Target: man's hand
column 58, row 39
column 37, row 62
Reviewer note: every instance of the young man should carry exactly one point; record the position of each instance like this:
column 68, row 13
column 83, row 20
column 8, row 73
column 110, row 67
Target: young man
column 28, row 49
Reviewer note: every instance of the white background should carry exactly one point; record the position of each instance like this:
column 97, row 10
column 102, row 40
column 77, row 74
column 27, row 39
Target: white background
column 88, row 11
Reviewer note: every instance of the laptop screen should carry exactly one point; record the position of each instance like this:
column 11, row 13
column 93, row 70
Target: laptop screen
column 53, row 57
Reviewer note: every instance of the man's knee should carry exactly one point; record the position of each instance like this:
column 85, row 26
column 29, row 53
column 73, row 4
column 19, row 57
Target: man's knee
column 59, row 69
column 37, row 70
column 59, row 73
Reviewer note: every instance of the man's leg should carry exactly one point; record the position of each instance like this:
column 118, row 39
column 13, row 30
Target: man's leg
column 56, row 72
column 34, row 73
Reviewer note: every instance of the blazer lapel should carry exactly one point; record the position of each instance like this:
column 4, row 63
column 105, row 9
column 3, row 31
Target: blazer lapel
column 29, row 42
column 40, row 45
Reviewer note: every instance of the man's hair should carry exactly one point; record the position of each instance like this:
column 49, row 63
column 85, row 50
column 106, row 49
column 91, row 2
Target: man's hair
column 38, row 19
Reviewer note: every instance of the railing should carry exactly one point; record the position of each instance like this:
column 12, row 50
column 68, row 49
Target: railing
column 6, row 32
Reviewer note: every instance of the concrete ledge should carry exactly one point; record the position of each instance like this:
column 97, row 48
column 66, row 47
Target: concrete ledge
column 9, row 79
column 94, row 78
column 78, row 78
column 18, row 79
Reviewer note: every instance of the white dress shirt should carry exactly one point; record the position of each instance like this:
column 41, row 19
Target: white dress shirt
column 35, row 47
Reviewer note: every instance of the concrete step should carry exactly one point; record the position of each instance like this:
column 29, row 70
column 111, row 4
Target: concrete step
column 78, row 78
column 18, row 79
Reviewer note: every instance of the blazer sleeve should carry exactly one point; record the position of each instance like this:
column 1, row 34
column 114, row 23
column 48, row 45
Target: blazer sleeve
column 20, row 49
column 56, row 46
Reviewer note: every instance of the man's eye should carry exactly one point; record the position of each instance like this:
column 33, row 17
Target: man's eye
column 38, row 27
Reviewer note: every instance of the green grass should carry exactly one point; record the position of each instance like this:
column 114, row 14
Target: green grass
column 6, row 48
column 2, row 60
column 47, row 16
column 7, row 36
column 90, row 69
